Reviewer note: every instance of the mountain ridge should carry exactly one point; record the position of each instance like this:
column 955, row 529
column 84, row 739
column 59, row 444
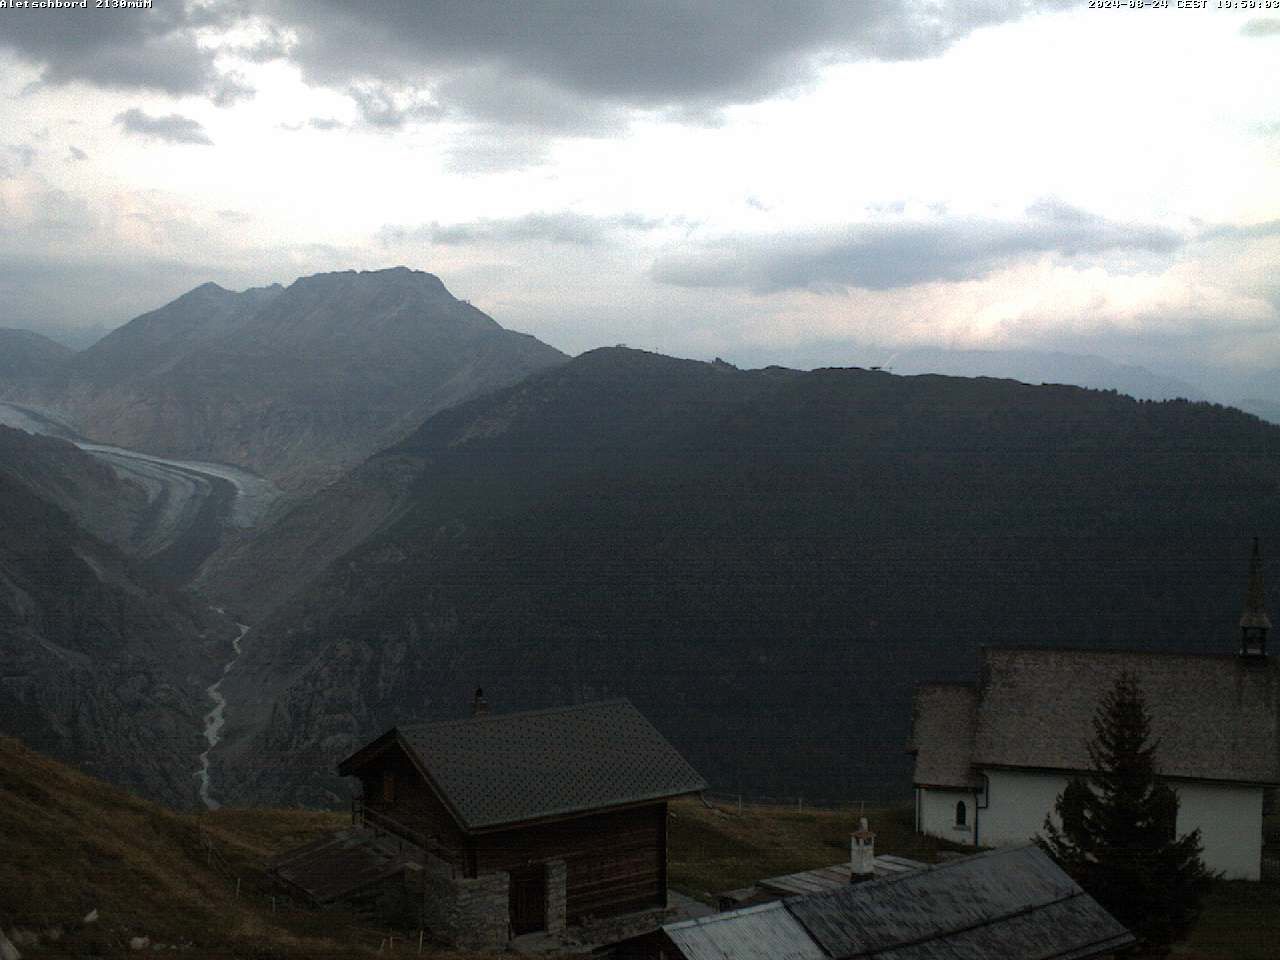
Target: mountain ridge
column 298, row 383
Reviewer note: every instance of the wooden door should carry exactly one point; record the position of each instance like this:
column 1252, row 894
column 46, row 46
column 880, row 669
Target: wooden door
column 529, row 899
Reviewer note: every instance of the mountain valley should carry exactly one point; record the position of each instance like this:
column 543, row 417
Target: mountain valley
column 768, row 560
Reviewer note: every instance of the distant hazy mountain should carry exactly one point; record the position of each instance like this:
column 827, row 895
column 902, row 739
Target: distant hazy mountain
column 27, row 358
column 72, row 336
column 1032, row 367
column 1028, row 366
column 1268, row 410
column 299, row 383
column 102, row 666
column 769, row 560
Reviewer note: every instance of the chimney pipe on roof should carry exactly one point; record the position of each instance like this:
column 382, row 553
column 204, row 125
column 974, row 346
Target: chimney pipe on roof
column 479, row 705
column 862, row 854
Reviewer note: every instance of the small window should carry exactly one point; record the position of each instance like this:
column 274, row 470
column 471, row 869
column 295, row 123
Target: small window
column 388, row 787
column 962, row 814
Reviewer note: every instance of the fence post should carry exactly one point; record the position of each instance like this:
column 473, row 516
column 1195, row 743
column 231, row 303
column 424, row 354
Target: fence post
column 739, row 803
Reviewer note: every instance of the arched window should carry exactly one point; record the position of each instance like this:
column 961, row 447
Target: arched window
column 962, row 814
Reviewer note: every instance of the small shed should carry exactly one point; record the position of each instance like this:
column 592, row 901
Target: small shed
column 570, row 803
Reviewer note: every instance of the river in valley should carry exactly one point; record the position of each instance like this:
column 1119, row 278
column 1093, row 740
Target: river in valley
column 189, row 507
column 215, row 719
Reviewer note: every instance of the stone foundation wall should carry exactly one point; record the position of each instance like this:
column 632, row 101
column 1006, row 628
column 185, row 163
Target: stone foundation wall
column 468, row 913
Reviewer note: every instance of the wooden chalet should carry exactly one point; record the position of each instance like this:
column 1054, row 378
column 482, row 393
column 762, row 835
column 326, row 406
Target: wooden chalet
column 570, row 802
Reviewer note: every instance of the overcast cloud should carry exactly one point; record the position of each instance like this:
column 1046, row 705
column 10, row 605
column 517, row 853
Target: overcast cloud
column 172, row 128
column 555, row 64
column 883, row 256
column 154, row 49
column 678, row 53
column 1262, row 27
column 559, row 228
column 682, row 175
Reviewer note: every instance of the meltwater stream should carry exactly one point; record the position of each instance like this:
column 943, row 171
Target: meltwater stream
column 213, row 721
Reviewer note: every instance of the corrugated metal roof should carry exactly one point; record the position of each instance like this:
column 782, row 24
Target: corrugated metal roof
column 988, row 905
column 495, row 770
column 766, row 932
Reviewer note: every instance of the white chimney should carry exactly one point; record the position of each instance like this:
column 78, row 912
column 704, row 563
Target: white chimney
column 862, row 854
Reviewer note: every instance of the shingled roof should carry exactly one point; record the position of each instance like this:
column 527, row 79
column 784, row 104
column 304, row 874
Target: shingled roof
column 510, row 768
column 1215, row 717
column 942, row 725
column 1013, row 902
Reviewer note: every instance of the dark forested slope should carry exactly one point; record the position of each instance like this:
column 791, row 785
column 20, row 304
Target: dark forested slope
column 765, row 561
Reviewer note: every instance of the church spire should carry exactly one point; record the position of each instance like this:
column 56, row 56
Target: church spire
column 1254, row 622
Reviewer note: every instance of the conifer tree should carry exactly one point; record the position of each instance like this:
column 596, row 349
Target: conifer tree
column 1117, row 837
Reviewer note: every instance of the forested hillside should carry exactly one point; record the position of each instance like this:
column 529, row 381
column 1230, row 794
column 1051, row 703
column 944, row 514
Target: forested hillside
column 765, row 561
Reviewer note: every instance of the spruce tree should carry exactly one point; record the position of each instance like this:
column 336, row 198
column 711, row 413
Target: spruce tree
column 1117, row 837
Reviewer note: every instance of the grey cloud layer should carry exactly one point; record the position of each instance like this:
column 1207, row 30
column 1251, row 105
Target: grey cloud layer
column 154, row 49
column 557, row 66
column 1262, row 27
column 892, row 255
column 569, row 64
column 173, row 128
column 565, row 227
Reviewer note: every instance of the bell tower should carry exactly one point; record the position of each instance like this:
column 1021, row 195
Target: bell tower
column 1254, row 622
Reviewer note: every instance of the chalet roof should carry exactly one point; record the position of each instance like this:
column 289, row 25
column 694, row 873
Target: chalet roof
column 1215, row 717
column 942, row 725
column 509, row 768
column 1013, row 902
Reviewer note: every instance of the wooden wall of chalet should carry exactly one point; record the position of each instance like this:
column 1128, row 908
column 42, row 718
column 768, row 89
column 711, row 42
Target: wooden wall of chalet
column 412, row 802
column 615, row 862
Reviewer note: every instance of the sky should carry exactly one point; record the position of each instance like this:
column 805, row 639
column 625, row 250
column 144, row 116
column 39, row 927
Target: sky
column 697, row 177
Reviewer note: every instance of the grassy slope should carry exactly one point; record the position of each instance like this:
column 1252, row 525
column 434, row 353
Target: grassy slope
column 72, row 844
column 721, row 849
